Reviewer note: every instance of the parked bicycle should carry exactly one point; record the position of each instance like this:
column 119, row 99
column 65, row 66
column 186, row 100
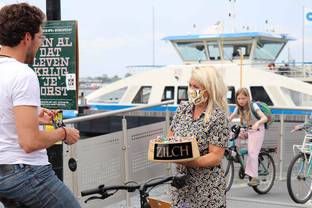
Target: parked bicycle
column 177, row 181
column 234, row 154
column 299, row 181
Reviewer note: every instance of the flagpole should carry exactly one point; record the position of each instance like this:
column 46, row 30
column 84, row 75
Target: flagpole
column 303, row 22
column 153, row 13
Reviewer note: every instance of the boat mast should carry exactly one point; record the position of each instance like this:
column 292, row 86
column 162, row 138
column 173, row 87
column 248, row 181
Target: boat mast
column 232, row 15
column 303, row 22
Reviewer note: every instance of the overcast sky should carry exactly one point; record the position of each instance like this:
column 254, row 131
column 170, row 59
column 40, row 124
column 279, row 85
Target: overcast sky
column 119, row 33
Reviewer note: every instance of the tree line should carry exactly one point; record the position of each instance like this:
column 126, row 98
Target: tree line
column 105, row 78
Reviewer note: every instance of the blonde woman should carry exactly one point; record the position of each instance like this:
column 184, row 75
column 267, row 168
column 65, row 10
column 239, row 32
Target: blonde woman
column 205, row 118
column 255, row 136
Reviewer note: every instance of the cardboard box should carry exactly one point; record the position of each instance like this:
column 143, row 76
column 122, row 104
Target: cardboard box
column 157, row 203
column 173, row 150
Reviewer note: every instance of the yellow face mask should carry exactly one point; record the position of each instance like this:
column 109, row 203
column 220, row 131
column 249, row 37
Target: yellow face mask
column 196, row 96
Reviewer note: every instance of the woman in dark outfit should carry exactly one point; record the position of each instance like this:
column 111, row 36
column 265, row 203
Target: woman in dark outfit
column 205, row 118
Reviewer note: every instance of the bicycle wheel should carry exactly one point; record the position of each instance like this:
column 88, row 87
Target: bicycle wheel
column 228, row 166
column 299, row 179
column 266, row 173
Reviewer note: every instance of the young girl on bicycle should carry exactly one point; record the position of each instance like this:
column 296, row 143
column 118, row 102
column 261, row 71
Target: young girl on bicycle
column 255, row 135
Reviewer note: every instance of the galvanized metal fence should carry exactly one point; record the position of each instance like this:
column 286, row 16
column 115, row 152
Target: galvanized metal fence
column 119, row 157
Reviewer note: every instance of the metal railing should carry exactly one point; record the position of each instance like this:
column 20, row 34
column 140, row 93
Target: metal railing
column 280, row 131
column 115, row 112
column 73, row 150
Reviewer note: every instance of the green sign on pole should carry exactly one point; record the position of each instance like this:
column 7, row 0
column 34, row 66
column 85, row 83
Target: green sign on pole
column 56, row 65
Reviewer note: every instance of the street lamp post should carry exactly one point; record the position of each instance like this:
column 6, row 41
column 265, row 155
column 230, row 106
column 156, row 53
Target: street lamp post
column 53, row 9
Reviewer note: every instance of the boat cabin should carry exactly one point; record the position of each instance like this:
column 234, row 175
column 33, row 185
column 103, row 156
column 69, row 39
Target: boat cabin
column 255, row 47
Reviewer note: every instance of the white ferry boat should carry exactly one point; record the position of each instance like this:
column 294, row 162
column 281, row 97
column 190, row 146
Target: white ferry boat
column 251, row 54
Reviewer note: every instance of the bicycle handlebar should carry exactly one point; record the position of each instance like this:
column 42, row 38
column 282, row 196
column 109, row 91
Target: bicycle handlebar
column 301, row 127
column 178, row 181
column 147, row 185
column 102, row 189
column 237, row 128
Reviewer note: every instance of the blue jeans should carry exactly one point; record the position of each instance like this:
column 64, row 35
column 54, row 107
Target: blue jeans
column 36, row 186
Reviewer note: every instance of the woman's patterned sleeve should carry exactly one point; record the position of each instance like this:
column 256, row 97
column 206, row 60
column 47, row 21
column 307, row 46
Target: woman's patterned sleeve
column 177, row 116
column 219, row 131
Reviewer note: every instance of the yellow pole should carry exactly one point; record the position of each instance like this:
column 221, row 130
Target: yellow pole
column 241, row 69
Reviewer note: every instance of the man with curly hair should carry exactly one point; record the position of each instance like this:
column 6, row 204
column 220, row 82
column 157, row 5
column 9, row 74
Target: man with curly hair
column 26, row 176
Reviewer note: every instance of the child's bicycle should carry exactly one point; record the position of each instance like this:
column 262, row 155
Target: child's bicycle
column 234, row 154
column 104, row 192
column 299, row 180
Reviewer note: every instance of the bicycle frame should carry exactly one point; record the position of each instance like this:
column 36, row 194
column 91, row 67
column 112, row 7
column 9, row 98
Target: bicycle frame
column 241, row 152
column 299, row 169
column 306, row 149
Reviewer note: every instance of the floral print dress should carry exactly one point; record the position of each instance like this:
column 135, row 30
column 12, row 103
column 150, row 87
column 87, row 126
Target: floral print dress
column 205, row 187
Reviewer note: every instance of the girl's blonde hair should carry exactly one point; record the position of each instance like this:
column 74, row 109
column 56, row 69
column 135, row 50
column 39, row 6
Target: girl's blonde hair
column 209, row 77
column 244, row 91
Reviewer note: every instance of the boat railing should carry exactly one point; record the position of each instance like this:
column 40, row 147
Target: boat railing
column 291, row 70
column 298, row 71
column 135, row 69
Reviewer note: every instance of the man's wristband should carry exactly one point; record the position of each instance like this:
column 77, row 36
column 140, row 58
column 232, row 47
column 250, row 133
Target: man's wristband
column 65, row 136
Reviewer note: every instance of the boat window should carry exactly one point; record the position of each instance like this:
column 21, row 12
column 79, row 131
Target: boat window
column 182, row 94
column 213, row 51
column 143, row 95
column 192, row 51
column 298, row 98
column 231, row 95
column 258, row 93
column 111, row 97
column 168, row 93
column 231, row 49
column 228, row 52
column 267, row 50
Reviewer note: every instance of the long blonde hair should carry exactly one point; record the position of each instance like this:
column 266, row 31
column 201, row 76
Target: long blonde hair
column 244, row 91
column 209, row 77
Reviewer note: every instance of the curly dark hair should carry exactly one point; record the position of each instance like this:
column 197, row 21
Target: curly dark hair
column 18, row 19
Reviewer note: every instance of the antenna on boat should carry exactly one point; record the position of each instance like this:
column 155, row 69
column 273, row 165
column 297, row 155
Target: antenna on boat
column 269, row 26
column 233, row 15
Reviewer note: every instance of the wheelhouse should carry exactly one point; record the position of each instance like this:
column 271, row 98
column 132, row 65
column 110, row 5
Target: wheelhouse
column 254, row 47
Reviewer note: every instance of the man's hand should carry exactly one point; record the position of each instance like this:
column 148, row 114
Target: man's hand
column 72, row 135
